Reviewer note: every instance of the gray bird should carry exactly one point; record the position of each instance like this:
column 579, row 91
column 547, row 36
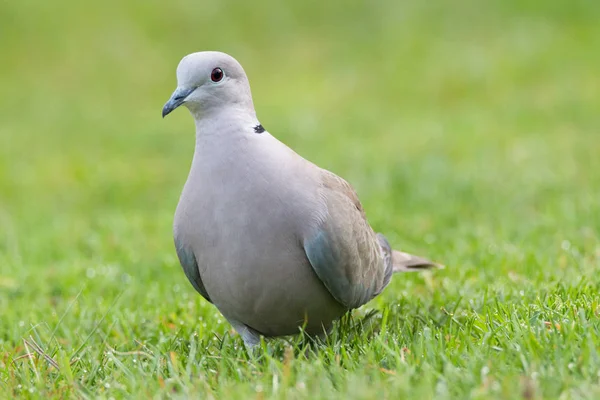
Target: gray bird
column 272, row 240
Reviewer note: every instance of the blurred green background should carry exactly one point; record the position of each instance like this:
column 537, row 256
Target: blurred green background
column 469, row 129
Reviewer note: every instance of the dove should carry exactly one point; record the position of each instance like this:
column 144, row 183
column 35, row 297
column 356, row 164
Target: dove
column 274, row 242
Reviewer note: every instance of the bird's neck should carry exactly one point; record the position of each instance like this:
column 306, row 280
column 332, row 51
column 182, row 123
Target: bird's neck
column 224, row 122
column 224, row 127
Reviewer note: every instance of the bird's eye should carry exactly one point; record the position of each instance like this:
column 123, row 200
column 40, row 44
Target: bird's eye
column 216, row 75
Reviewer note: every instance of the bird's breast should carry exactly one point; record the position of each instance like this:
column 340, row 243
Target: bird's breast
column 244, row 217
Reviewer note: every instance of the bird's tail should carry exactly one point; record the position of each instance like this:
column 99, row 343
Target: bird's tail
column 404, row 262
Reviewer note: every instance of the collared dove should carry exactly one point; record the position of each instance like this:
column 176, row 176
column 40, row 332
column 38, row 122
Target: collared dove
column 272, row 240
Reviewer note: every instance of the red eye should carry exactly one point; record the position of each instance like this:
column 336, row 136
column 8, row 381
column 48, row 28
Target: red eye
column 216, row 75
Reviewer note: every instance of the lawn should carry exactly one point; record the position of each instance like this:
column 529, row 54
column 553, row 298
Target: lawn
column 471, row 131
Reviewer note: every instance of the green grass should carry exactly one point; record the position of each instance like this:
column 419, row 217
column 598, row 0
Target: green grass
column 471, row 131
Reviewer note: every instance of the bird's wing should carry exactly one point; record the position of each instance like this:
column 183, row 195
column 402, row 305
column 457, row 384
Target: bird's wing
column 190, row 267
column 344, row 251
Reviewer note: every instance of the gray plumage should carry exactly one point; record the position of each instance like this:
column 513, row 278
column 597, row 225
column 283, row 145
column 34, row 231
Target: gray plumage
column 273, row 241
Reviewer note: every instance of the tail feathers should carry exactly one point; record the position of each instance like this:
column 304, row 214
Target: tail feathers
column 404, row 262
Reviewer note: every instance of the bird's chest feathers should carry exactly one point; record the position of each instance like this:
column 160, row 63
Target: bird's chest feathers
column 243, row 191
column 236, row 176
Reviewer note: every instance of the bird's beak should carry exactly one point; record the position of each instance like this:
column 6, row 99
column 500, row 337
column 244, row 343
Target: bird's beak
column 177, row 98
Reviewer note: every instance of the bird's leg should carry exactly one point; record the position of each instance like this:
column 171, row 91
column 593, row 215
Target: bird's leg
column 250, row 337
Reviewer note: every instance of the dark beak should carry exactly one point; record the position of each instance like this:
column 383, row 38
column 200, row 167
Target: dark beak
column 177, row 98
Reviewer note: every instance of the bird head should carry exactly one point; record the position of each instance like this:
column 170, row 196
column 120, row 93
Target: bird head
column 209, row 82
